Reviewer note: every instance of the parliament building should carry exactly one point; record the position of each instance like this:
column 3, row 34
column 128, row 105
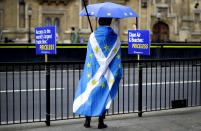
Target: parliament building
column 167, row 20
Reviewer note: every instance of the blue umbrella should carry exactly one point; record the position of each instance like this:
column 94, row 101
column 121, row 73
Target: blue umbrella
column 108, row 9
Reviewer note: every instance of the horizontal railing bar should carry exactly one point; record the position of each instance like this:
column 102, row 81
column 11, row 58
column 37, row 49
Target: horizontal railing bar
column 82, row 62
column 124, row 43
column 161, row 60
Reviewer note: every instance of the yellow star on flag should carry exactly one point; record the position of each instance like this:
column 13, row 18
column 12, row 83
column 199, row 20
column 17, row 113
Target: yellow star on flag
column 106, row 47
column 103, row 84
column 118, row 56
column 97, row 49
column 115, row 50
column 111, row 81
column 88, row 65
column 94, row 82
column 89, row 75
column 116, row 74
column 119, row 65
column 91, row 55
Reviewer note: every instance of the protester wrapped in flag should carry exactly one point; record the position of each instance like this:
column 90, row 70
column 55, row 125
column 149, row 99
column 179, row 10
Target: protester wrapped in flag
column 102, row 73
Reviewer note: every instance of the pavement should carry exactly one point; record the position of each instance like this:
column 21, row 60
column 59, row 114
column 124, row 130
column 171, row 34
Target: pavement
column 183, row 119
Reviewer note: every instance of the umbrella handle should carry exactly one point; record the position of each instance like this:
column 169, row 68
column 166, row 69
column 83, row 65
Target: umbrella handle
column 88, row 16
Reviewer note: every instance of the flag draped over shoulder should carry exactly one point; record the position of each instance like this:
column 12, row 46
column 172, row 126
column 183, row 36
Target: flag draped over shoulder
column 102, row 73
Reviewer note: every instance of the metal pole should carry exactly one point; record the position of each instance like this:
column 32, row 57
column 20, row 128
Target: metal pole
column 46, row 58
column 140, row 88
column 139, row 81
column 29, row 41
column 87, row 16
column 47, row 69
column 136, row 23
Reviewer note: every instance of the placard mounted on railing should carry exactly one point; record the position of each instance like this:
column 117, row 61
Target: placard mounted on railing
column 45, row 39
column 139, row 42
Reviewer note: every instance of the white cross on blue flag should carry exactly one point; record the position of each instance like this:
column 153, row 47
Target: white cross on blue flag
column 102, row 73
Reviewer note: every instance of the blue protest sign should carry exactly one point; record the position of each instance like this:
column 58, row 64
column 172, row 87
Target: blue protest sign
column 139, row 42
column 45, row 40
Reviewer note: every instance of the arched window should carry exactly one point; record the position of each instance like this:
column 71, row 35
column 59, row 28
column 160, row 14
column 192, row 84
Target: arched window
column 160, row 32
column 57, row 24
column 48, row 22
column 21, row 13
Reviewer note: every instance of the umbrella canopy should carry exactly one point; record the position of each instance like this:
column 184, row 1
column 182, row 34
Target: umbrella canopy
column 108, row 9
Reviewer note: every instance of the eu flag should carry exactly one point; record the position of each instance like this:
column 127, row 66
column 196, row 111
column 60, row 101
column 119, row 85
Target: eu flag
column 102, row 73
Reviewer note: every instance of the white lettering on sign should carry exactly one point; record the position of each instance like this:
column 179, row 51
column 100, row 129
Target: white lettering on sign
column 135, row 37
column 38, row 32
column 42, row 36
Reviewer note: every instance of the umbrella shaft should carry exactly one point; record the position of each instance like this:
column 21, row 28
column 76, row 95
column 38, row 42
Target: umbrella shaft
column 88, row 16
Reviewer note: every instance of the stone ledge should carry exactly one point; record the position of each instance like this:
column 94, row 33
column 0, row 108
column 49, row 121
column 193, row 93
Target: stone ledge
column 196, row 33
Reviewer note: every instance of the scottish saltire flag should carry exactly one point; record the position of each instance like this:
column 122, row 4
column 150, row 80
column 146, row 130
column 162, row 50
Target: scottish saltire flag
column 102, row 73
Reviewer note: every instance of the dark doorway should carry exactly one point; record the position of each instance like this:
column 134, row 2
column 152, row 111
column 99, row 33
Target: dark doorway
column 160, row 32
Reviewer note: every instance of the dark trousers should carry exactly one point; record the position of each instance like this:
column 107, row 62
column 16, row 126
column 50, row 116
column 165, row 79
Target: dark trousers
column 101, row 118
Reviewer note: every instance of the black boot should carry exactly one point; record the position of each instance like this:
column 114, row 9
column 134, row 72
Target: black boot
column 87, row 122
column 101, row 122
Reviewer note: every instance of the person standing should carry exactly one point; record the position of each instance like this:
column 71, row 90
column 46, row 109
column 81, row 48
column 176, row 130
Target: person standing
column 101, row 76
column 74, row 36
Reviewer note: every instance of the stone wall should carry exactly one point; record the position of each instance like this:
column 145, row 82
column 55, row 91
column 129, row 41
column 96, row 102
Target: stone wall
column 181, row 17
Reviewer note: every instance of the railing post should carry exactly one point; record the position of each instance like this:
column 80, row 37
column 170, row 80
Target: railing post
column 47, row 68
column 140, row 88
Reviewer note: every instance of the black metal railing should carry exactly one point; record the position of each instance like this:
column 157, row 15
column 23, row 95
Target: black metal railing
column 44, row 92
column 66, row 52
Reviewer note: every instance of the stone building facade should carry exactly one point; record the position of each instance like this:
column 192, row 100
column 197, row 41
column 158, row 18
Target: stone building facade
column 168, row 20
